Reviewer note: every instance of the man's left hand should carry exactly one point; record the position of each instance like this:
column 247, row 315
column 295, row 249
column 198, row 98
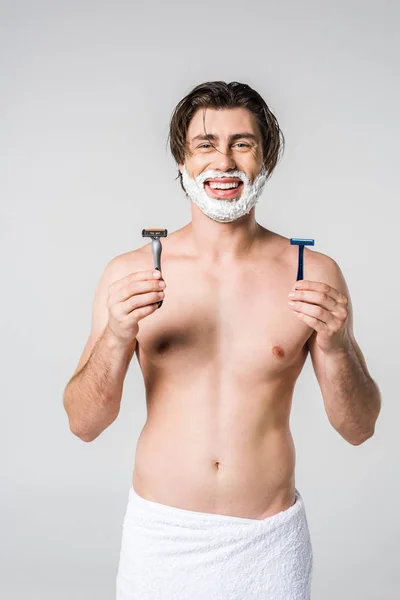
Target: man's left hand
column 324, row 309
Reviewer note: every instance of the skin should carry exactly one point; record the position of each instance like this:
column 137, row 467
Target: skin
column 221, row 357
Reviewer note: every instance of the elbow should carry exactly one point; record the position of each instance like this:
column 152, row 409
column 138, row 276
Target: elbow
column 86, row 437
column 76, row 429
column 82, row 435
column 360, row 440
column 371, row 431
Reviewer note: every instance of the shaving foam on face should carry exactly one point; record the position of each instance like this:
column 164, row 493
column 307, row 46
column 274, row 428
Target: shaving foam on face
column 224, row 211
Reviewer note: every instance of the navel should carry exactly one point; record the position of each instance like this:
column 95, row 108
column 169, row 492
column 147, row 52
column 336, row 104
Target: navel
column 278, row 352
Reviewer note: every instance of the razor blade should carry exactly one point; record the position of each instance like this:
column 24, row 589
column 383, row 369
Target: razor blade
column 301, row 242
column 154, row 233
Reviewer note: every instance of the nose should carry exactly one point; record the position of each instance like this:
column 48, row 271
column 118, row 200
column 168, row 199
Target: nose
column 224, row 161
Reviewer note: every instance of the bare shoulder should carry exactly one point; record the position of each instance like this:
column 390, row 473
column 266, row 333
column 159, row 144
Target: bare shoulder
column 317, row 265
column 324, row 269
column 141, row 259
column 123, row 264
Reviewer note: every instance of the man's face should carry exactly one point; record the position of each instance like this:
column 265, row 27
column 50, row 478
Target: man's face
column 237, row 146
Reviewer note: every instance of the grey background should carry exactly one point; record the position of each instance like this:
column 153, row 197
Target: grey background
column 87, row 90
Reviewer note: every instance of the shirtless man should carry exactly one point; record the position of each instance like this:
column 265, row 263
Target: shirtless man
column 220, row 360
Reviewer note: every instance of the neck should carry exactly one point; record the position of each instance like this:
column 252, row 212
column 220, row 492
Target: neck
column 222, row 243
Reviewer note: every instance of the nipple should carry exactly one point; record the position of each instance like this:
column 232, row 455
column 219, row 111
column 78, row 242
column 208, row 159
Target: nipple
column 278, row 352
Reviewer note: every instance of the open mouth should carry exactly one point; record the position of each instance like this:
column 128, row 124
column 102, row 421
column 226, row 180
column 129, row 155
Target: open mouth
column 226, row 188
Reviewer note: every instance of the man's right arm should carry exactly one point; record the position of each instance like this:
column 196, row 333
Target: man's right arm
column 92, row 397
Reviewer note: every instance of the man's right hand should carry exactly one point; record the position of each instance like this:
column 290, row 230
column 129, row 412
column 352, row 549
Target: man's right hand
column 131, row 299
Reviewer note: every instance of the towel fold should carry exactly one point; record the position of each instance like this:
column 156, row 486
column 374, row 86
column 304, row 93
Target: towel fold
column 169, row 553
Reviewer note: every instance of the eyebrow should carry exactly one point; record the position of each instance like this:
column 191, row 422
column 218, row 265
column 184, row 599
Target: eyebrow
column 233, row 137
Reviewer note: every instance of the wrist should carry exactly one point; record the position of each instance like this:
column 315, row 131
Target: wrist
column 343, row 351
column 116, row 344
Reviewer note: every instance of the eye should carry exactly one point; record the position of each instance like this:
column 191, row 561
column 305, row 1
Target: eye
column 241, row 144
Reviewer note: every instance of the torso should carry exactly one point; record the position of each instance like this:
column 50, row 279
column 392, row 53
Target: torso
column 220, row 360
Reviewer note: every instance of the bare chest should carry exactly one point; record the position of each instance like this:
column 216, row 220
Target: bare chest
column 236, row 322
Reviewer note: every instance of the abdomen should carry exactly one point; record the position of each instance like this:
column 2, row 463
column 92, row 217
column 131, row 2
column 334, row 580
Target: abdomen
column 230, row 454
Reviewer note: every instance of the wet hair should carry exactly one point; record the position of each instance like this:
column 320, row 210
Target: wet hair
column 220, row 95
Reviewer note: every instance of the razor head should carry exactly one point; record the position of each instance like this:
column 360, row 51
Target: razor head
column 154, row 233
column 301, row 242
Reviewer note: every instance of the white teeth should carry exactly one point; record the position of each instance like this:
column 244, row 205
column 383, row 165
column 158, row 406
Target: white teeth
column 223, row 186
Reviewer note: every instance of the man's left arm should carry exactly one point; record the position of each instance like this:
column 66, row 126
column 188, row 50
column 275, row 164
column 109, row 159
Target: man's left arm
column 351, row 397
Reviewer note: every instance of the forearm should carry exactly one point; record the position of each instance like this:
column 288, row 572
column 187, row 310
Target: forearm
column 351, row 397
column 92, row 398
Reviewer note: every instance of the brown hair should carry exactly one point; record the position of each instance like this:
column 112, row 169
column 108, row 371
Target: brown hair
column 219, row 95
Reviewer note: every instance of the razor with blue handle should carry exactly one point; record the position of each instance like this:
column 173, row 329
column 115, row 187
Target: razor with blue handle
column 301, row 242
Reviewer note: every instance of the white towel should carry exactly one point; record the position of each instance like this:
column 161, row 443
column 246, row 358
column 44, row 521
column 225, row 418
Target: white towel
column 170, row 553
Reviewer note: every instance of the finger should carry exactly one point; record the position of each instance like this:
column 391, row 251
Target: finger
column 318, row 286
column 137, row 276
column 138, row 314
column 141, row 300
column 312, row 322
column 320, row 298
column 312, row 310
column 136, row 288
